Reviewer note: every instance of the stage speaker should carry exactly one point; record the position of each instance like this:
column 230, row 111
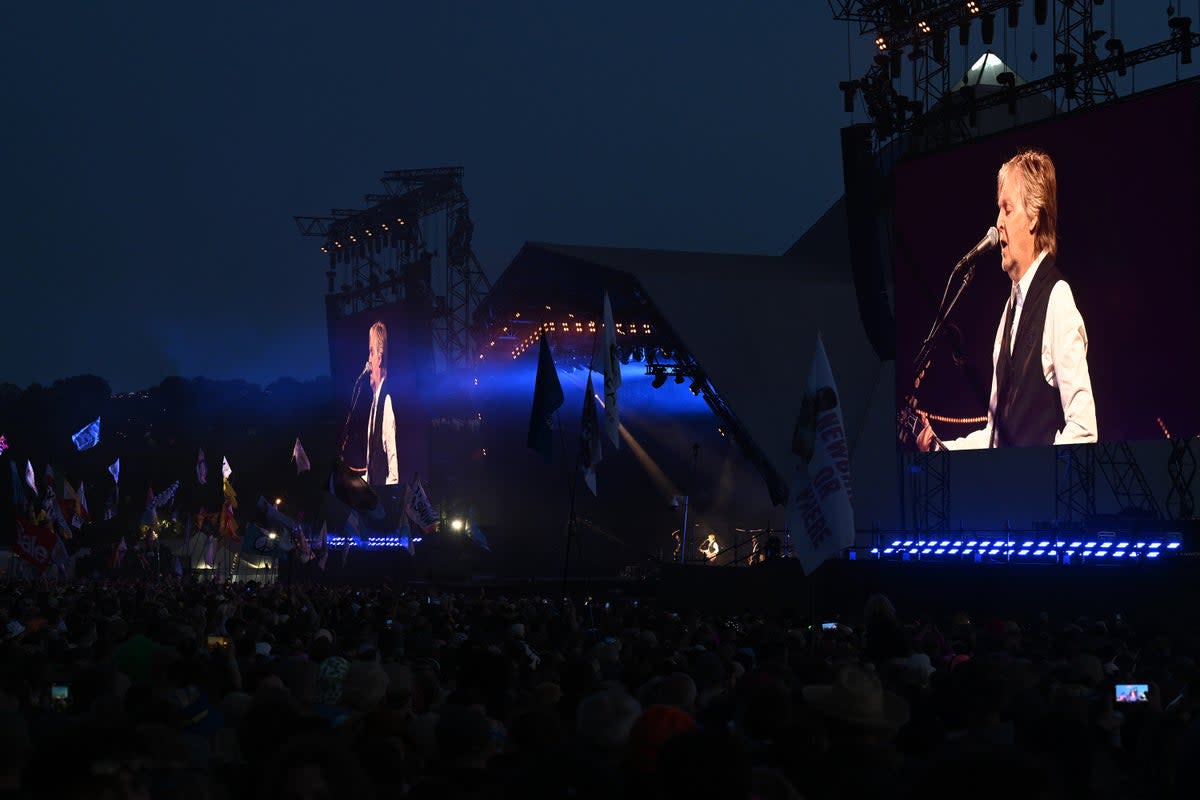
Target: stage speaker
column 868, row 216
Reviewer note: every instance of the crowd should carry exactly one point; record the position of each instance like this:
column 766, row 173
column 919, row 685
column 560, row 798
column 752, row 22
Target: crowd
column 174, row 689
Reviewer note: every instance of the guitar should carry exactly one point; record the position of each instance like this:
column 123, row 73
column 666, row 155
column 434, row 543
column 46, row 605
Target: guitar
column 910, row 422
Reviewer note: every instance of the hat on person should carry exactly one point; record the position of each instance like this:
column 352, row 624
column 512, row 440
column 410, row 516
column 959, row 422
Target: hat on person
column 323, row 633
column 856, row 696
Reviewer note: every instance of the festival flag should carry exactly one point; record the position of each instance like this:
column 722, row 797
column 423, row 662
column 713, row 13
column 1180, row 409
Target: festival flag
column 324, row 537
column 119, row 553
column 226, row 470
column 256, row 541
column 114, row 469
column 150, row 515
column 178, row 567
column 607, row 362
column 18, row 487
column 166, row 495
column 300, row 457
column 820, row 516
column 418, row 508
column 228, row 525
column 306, row 553
column 84, row 512
column 210, row 551
column 547, row 397
column 230, row 494
column 478, row 536
column 36, row 543
column 30, row 478
column 589, row 437
column 88, row 436
column 201, row 468
column 70, row 503
column 3, row 443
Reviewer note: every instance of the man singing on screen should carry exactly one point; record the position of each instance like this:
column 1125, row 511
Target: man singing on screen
column 381, row 421
column 1041, row 389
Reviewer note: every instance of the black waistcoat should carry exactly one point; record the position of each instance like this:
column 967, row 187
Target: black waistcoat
column 1028, row 410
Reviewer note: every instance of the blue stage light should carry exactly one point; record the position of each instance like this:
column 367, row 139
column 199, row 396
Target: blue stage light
column 1039, row 552
column 968, row 551
column 896, row 543
column 1173, row 546
column 1122, row 545
column 945, row 544
column 1043, row 544
column 1091, row 544
column 1101, row 553
column 1152, row 554
column 889, row 550
column 972, row 544
column 1106, row 544
column 1086, row 554
column 1155, row 545
column 1076, row 544
column 993, row 552
column 953, row 551
column 1140, row 544
column 1118, row 553
column 958, row 544
column 875, row 550
column 926, row 551
column 985, row 544
column 1027, row 544
column 1022, row 552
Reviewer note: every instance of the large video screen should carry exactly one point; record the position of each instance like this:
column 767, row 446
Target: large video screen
column 1101, row 341
column 382, row 365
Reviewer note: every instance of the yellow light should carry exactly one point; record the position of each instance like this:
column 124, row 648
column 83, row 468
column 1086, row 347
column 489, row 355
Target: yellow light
column 456, row 524
column 973, row 7
column 272, row 535
column 278, row 501
column 881, row 43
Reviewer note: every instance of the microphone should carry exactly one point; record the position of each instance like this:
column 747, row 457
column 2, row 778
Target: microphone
column 989, row 241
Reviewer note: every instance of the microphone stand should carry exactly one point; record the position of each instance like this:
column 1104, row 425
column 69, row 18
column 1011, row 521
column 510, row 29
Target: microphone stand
column 349, row 414
column 923, row 360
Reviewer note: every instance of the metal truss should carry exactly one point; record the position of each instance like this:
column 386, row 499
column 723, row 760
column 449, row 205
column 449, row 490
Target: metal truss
column 923, row 27
column 1075, row 57
column 1074, row 483
column 1126, row 479
column 1181, row 467
column 930, row 482
column 383, row 253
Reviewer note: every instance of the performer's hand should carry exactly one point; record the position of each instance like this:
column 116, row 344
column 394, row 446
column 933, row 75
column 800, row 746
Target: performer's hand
column 925, row 437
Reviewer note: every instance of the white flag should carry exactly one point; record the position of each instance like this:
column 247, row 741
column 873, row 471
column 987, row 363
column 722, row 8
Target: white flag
column 300, row 457
column 607, row 361
column 820, row 517
column 114, row 469
column 30, row 477
column 201, row 468
column 226, row 470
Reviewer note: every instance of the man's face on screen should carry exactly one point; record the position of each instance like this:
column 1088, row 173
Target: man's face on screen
column 1015, row 227
column 375, row 356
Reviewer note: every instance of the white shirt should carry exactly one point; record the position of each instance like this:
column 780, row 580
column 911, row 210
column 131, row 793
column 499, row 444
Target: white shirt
column 389, row 435
column 1064, row 365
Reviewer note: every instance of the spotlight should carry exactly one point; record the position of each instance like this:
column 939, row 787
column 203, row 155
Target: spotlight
column 659, row 379
column 881, row 43
column 456, row 524
column 1182, row 27
column 924, row 28
column 1116, row 47
column 988, row 28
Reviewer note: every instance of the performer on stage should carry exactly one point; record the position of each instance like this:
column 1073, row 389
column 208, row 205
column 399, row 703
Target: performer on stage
column 1041, row 388
column 382, row 467
column 710, row 548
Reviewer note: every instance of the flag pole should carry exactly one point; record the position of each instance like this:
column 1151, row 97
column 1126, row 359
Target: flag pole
column 572, row 488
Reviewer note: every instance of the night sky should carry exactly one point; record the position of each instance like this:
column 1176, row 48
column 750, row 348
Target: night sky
column 156, row 153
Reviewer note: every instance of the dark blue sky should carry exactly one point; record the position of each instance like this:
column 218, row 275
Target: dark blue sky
column 156, row 153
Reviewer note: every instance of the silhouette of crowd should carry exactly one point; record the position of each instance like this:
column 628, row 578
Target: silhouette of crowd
column 165, row 688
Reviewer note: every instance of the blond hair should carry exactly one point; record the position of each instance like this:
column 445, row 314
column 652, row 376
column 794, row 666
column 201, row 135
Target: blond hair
column 1038, row 194
column 379, row 333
